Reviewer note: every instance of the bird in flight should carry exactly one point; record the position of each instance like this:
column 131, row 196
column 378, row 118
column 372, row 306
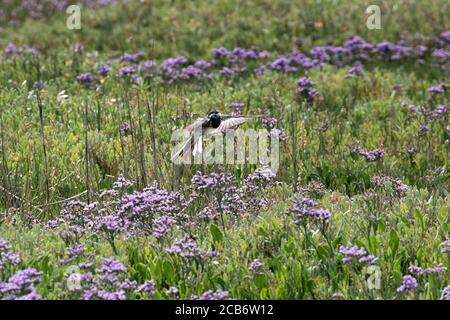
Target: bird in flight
column 203, row 128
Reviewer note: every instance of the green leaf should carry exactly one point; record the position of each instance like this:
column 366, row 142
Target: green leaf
column 418, row 218
column 216, row 233
column 373, row 244
column 168, row 271
column 393, row 241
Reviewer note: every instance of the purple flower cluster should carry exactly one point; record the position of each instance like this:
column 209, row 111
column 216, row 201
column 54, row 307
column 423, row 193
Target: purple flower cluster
column 20, row 286
column 305, row 209
column 162, row 226
column 305, row 89
column 7, row 256
column 212, row 295
column 445, row 294
column 278, row 133
column 409, row 284
column 212, row 181
column 188, row 248
column 383, row 181
column 106, row 283
column 269, row 122
column 369, row 155
column 356, row 70
column 445, row 246
column 354, row 253
column 419, row 271
column 438, row 89
column 147, row 287
column 86, row 79
column 103, row 70
column 126, row 71
column 207, row 214
column 75, row 251
column 11, row 50
column 255, row 265
column 132, row 57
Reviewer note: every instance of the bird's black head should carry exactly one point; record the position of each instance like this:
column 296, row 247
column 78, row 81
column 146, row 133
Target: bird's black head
column 214, row 119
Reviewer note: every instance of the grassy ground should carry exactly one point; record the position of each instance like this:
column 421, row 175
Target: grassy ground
column 85, row 151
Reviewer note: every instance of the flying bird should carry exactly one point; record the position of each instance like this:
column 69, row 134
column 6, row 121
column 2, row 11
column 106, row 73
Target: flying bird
column 203, row 128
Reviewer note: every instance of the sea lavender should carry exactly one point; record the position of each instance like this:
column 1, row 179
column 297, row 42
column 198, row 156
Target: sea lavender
column 409, row 284
column 445, row 294
column 188, row 248
column 369, row 155
column 212, row 295
column 7, row 256
column 356, row 70
column 305, row 89
column 356, row 254
column 147, row 287
column 255, row 265
column 20, row 286
column 438, row 89
column 445, row 246
column 305, row 209
column 103, row 70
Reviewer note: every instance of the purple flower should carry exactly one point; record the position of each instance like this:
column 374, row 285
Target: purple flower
column 162, row 226
column 305, row 209
column 206, row 214
column 111, row 265
column 147, row 287
column 418, row 271
column 440, row 111
column 255, row 265
column 111, row 223
column 212, row 181
column 445, row 246
column 131, row 57
column 7, row 256
column 338, row 295
column 354, row 253
column 20, row 286
column 103, row 70
column 11, row 49
column 305, row 89
column 441, row 55
column 75, row 251
column 440, row 88
column 356, row 70
column 212, row 295
column 445, row 35
column 220, row 53
column 86, row 79
column 370, row 155
column 409, row 284
column 126, row 71
column 445, row 294
column 305, row 82
column 269, row 122
column 172, row 291
column 278, row 133
column 423, row 129
column 188, row 248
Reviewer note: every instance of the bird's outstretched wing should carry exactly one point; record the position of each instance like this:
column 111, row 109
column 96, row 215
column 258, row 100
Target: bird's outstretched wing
column 188, row 144
column 232, row 122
